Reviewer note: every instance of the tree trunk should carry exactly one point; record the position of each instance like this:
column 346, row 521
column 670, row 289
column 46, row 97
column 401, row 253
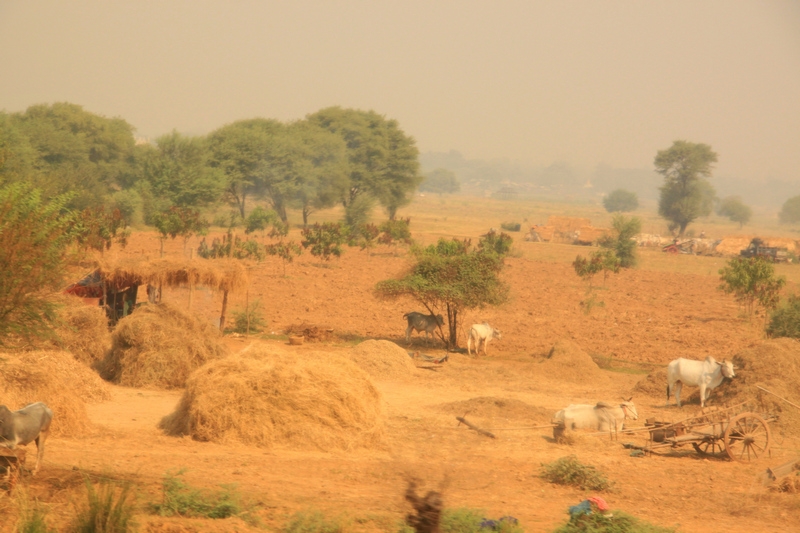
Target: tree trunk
column 452, row 322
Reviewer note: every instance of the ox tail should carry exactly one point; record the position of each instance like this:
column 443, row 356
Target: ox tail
column 667, row 392
column 405, row 316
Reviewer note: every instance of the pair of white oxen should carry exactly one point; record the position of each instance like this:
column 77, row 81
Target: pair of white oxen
column 605, row 416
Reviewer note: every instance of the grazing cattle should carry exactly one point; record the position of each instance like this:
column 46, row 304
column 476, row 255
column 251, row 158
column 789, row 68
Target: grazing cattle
column 31, row 423
column 601, row 417
column 481, row 332
column 420, row 322
column 706, row 374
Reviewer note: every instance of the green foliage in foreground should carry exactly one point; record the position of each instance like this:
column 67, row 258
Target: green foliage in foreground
column 617, row 523
column 181, row 499
column 313, row 522
column 464, row 520
column 752, row 281
column 109, row 509
column 785, row 321
column 569, row 471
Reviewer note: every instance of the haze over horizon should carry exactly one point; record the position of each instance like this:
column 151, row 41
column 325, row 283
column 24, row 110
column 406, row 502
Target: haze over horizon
column 582, row 82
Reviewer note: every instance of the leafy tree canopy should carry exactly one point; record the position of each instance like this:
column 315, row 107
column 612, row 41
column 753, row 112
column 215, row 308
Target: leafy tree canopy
column 75, row 151
column 440, row 181
column 753, row 282
column 621, row 201
column 790, row 212
column 733, row 208
column 450, row 276
column 383, row 161
column 34, row 239
column 686, row 193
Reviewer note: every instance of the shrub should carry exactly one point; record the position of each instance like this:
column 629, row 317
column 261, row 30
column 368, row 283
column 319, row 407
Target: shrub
column 752, row 280
column 499, row 243
column 622, row 242
column 324, row 240
column 621, row 200
column 250, row 319
column 108, row 510
column 785, row 321
column 464, row 520
column 313, row 522
column 511, row 226
column 181, row 499
column 618, row 522
column 569, row 471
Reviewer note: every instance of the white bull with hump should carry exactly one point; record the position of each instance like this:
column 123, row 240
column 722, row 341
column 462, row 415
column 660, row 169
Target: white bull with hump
column 603, row 416
column 706, row 374
column 31, row 423
column 481, row 333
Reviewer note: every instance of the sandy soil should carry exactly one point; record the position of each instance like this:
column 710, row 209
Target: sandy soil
column 647, row 318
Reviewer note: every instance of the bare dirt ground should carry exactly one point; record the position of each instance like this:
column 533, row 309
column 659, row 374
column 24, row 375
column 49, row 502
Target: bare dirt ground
column 646, row 317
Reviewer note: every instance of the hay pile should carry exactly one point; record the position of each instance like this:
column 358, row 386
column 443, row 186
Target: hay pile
column 310, row 332
column 774, row 365
column 262, row 398
column 383, row 360
column 568, row 362
column 655, row 384
column 83, row 330
column 159, row 346
column 55, row 378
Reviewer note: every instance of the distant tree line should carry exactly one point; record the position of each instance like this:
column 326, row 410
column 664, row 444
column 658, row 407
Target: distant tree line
column 336, row 156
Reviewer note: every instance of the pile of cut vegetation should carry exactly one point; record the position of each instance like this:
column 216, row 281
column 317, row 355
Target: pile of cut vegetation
column 159, row 346
column 774, row 365
column 567, row 361
column 311, row 332
column 383, row 360
column 265, row 398
column 83, row 330
column 490, row 407
column 58, row 380
column 655, row 384
column 733, row 244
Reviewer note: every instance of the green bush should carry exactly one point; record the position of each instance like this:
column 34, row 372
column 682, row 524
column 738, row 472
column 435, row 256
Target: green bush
column 618, row 522
column 313, row 522
column 324, row 240
column 181, row 499
column 785, row 321
column 499, row 243
column 569, row 471
column 108, row 510
column 511, row 226
column 253, row 312
column 464, row 520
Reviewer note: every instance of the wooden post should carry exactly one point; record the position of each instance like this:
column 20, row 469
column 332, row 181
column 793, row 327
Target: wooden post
column 224, row 308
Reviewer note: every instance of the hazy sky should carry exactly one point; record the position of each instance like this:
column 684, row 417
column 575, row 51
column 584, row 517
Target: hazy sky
column 582, row 81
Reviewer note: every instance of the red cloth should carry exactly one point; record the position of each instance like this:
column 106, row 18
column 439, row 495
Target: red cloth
column 600, row 503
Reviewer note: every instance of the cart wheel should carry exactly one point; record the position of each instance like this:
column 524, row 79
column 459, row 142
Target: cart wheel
column 747, row 437
column 710, row 447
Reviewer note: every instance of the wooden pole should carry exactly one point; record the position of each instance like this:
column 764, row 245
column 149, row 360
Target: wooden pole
column 784, row 399
column 463, row 420
column 224, row 308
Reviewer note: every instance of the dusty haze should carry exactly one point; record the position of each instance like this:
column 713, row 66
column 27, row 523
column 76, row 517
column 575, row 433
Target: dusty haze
column 583, row 82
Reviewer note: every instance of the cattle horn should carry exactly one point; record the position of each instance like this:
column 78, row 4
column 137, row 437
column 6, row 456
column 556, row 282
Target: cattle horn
column 629, row 399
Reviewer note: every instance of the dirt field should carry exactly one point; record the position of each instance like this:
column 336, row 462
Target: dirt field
column 647, row 318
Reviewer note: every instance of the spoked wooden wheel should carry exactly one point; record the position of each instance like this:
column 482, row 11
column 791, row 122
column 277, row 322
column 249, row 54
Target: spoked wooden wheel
column 747, row 437
column 710, row 447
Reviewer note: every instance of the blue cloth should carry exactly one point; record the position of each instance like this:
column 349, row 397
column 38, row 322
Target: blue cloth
column 585, row 507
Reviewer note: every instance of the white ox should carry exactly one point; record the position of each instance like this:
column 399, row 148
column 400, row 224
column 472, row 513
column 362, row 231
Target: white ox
column 706, row 374
column 481, row 332
column 603, row 416
column 31, row 423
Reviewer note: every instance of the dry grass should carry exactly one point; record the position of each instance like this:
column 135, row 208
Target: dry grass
column 383, row 360
column 56, row 379
column 218, row 274
column 568, row 362
column 262, row 398
column 159, row 346
column 83, row 331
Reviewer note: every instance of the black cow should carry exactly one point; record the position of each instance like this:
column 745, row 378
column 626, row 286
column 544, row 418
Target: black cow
column 31, row 423
column 420, row 322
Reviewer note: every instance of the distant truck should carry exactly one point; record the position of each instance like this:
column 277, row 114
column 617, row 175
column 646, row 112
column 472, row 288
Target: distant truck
column 773, row 253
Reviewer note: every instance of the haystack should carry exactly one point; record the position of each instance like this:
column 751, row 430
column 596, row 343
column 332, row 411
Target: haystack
column 83, row 330
column 733, row 244
column 55, row 378
column 655, row 384
column 159, row 346
column 567, row 361
column 383, row 360
column 490, row 408
column 262, row 398
column 774, row 365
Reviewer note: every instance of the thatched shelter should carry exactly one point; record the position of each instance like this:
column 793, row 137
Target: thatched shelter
column 116, row 283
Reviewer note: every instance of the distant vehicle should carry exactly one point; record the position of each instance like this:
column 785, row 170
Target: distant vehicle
column 773, row 253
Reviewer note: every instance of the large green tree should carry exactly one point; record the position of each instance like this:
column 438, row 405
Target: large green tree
column 686, row 193
column 621, row 201
column 383, row 160
column 76, row 151
column 34, row 238
column 175, row 173
column 451, row 276
column 733, row 208
column 790, row 212
column 440, row 181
